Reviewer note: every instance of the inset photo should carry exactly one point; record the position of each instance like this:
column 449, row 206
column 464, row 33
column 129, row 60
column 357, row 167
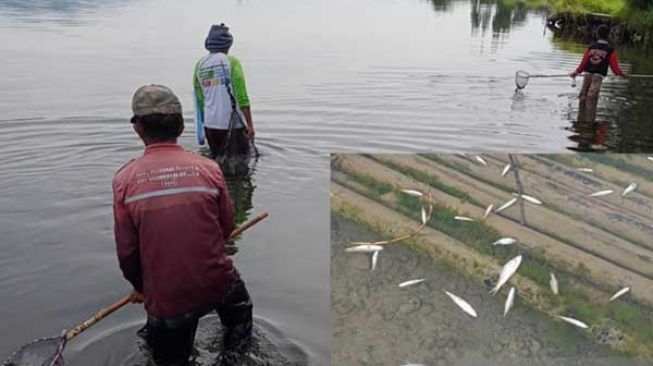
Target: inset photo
column 492, row 259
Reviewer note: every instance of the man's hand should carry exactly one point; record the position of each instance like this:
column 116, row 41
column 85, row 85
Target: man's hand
column 625, row 75
column 573, row 75
column 250, row 132
column 136, row 297
column 230, row 248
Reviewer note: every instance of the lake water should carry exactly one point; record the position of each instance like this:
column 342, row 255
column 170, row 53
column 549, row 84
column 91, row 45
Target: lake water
column 323, row 76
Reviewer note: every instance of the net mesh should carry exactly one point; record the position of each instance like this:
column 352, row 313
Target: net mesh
column 234, row 158
column 40, row 352
column 521, row 79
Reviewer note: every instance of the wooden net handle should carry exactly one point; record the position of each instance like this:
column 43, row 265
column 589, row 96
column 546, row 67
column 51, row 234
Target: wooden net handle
column 127, row 299
column 248, row 224
column 97, row 317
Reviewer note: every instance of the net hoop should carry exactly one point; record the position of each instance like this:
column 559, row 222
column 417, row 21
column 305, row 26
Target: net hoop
column 56, row 359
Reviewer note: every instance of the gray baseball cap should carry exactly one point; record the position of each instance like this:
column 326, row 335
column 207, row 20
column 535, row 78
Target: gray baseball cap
column 155, row 99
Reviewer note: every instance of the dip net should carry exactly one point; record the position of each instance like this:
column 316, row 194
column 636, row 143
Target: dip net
column 235, row 154
column 521, row 79
column 40, row 352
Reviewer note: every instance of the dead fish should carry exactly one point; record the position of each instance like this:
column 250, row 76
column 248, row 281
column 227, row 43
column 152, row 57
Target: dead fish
column 509, row 301
column 480, row 160
column 411, row 283
column 602, row 193
column 463, row 218
column 631, row 187
column 412, row 192
column 462, row 304
column 506, row 205
column 507, row 271
column 487, row 211
column 375, row 257
column 573, row 321
column 424, row 218
column 531, row 199
column 505, row 241
column 620, row 293
column 365, row 248
column 553, row 283
column 506, row 170
column 586, row 170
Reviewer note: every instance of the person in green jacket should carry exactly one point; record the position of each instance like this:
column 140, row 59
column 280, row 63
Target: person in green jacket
column 221, row 96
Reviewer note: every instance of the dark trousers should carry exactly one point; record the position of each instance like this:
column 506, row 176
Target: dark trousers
column 222, row 143
column 170, row 341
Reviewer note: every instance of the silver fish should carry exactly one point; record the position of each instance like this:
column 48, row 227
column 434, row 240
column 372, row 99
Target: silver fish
column 365, row 248
column 463, row 218
column 487, row 211
column 507, row 271
column 424, row 218
column 411, row 283
column 620, row 293
column 509, row 301
column 602, row 193
column 480, row 160
column 586, row 170
column 573, row 321
column 506, row 170
column 505, row 241
column 553, row 283
column 650, row 158
column 531, row 199
column 412, row 192
column 375, row 257
column 462, row 304
column 631, row 187
column 506, row 205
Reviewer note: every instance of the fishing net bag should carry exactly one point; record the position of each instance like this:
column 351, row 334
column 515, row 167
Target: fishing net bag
column 40, row 352
column 236, row 151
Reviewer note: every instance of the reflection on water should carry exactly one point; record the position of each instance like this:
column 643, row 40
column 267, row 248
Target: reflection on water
column 122, row 346
column 588, row 136
column 241, row 188
column 65, row 12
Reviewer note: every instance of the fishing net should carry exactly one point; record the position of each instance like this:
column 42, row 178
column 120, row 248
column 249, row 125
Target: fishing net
column 40, row 352
column 235, row 153
column 521, row 79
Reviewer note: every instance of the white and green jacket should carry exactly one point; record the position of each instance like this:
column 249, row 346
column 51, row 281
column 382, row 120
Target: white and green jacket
column 212, row 73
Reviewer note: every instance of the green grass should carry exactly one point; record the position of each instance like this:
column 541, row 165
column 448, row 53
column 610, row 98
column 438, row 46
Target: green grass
column 620, row 165
column 429, row 179
column 379, row 188
column 611, row 7
column 617, row 8
column 629, row 316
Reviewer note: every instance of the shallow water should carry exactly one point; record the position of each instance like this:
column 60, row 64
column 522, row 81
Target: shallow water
column 375, row 322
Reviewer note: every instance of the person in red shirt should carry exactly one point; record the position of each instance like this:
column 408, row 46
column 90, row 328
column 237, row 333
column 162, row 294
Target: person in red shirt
column 172, row 217
column 595, row 63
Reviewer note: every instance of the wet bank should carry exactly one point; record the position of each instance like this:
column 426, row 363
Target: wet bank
column 367, row 191
column 376, row 322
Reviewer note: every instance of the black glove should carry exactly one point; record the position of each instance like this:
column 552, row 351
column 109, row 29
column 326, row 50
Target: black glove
column 231, row 248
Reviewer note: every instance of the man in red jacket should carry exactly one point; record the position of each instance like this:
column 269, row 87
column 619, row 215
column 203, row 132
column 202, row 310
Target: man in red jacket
column 595, row 63
column 172, row 215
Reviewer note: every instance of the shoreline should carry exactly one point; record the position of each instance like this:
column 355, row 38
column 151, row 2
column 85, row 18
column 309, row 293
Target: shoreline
column 630, row 26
